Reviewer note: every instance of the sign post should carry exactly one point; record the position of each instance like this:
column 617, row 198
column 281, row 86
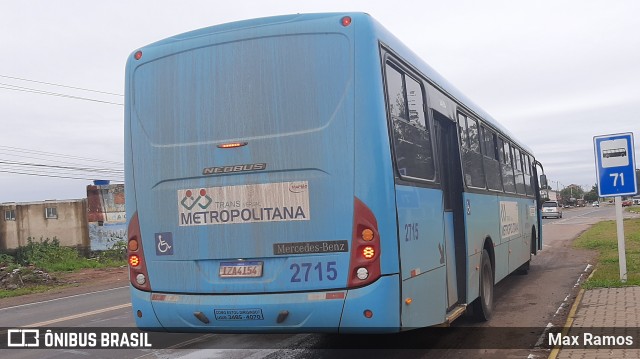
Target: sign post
column 616, row 174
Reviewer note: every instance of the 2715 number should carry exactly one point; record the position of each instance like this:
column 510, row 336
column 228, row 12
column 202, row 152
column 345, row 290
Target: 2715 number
column 303, row 272
column 411, row 232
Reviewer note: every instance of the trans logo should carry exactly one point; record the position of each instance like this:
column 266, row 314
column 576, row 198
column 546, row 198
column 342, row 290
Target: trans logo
column 265, row 202
column 203, row 201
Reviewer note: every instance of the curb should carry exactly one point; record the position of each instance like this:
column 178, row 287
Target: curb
column 567, row 325
column 572, row 314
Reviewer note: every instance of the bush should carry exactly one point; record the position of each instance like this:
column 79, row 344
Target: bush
column 45, row 253
column 116, row 255
column 7, row 260
column 49, row 255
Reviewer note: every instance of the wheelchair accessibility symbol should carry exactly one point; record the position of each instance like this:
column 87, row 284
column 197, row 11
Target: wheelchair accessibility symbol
column 164, row 244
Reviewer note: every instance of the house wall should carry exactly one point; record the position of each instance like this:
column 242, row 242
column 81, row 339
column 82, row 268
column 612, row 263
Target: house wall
column 552, row 195
column 69, row 226
column 8, row 228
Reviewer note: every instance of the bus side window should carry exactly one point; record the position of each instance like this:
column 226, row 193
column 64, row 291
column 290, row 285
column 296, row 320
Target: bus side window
column 528, row 173
column 416, row 105
column 490, row 159
column 411, row 133
column 462, row 127
column 395, row 94
column 517, row 159
column 507, row 170
column 471, row 156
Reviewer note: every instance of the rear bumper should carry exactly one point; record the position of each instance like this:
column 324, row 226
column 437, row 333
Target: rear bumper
column 330, row 311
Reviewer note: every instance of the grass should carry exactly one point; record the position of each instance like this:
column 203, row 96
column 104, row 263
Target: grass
column 24, row 290
column 603, row 238
column 47, row 255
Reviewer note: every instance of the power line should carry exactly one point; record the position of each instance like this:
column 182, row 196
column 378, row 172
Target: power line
column 10, row 151
column 40, row 158
column 65, row 167
column 59, row 171
column 53, row 84
column 83, row 169
column 57, row 176
column 40, row 92
column 28, row 168
column 68, row 168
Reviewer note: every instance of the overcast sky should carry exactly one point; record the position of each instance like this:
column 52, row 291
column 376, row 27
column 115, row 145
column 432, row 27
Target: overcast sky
column 555, row 73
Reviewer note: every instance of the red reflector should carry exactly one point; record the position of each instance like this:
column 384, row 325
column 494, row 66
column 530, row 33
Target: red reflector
column 134, row 260
column 346, row 21
column 368, row 314
column 158, row 297
column 336, row 295
column 164, row 297
column 138, row 55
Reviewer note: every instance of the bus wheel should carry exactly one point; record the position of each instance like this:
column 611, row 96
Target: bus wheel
column 483, row 306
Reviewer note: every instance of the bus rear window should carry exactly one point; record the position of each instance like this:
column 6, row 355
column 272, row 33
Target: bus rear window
column 243, row 89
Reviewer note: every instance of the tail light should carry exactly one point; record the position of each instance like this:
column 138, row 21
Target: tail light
column 137, row 266
column 364, row 266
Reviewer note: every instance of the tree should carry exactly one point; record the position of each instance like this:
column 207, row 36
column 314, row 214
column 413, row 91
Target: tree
column 592, row 195
column 572, row 191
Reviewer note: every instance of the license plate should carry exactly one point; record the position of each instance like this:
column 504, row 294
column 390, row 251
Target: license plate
column 243, row 269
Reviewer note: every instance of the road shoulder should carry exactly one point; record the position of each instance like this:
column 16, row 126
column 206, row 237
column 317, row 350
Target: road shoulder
column 74, row 283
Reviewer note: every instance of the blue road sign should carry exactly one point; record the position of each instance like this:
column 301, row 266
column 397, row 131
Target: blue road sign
column 615, row 165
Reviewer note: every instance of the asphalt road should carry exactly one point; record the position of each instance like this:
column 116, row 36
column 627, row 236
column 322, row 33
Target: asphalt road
column 534, row 301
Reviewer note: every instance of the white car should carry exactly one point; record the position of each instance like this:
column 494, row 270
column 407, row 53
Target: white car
column 595, row 204
column 551, row 209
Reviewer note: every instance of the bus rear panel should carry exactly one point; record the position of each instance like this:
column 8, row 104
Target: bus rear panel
column 240, row 183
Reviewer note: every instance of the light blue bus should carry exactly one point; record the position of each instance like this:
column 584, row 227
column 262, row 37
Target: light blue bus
column 309, row 173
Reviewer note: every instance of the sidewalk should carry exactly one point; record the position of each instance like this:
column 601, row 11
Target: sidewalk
column 604, row 308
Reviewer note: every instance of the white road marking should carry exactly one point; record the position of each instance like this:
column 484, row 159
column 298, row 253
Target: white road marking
column 76, row 316
column 62, row 298
column 542, row 337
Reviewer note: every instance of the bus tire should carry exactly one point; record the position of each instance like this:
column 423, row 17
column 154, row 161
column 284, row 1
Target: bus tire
column 483, row 305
